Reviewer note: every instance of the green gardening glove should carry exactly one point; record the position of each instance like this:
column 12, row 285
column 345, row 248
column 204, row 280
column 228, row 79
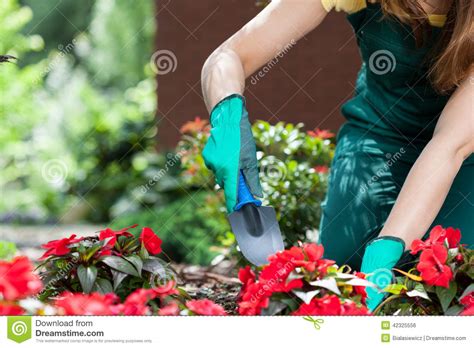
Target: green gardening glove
column 381, row 255
column 231, row 149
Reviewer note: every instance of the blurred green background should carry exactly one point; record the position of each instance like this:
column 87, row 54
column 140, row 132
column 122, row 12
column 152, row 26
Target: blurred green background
column 78, row 135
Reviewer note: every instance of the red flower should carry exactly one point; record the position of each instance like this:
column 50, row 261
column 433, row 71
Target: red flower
column 109, row 233
column 170, row 309
column 195, row 126
column 321, row 169
column 150, row 240
column 327, row 305
column 17, row 279
column 253, row 299
column 360, row 290
column 136, row 302
column 468, row 300
column 438, row 236
column 205, row 307
column 468, row 311
column 432, row 266
column 166, row 290
column 59, row 247
column 86, row 304
column 321, row 133
column 351, row 308
column 246, row 276
column 10, row 309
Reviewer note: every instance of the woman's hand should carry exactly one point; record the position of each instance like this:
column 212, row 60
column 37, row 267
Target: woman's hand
column 432, row 175
column 231, row 149
column 424, row 190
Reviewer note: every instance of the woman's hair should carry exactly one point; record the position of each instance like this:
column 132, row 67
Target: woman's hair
column 454, row 55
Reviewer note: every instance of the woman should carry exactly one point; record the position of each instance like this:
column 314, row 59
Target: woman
column 403, row 159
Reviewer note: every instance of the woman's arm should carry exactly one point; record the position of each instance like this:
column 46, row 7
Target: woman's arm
column 432, row 175
column 281, row 23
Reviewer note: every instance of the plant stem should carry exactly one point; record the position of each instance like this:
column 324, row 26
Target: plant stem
column 387, row 300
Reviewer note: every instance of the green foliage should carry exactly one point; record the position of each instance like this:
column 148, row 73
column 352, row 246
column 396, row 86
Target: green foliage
column 73, row 140
column 119, row 263
column 293, row 171
column 7, row 250
column 190, row 227
column 57, row 22
column 121, row 34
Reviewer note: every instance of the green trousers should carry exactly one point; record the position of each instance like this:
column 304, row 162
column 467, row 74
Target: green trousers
column 367, row 174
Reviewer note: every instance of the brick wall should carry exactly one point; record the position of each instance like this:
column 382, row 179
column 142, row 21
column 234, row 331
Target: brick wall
column 308, row 84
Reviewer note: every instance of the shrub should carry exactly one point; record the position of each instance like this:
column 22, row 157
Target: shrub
column 299, row 281
column 112, row 261
column 442, row 281
column 191, row 228
column 293, row 170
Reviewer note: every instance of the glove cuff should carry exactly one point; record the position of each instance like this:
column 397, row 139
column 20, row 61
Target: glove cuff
column 382, row 252
column 228, row 111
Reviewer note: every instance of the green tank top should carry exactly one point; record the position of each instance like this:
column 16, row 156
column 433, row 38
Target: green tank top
column 393, row 95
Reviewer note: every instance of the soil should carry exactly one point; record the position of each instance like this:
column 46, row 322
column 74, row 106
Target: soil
column 212, row 283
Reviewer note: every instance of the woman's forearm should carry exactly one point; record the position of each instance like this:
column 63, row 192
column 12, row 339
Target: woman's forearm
column 423, row 192
column 222, row 75
column 432, row 175
column 279, row 26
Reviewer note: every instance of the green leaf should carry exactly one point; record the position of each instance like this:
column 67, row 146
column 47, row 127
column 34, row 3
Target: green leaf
column 103, row 286
column 395, row 289
column 121, row 265
column 454, row 310
column 7, row 250
column 329, row 283
column 419, row 291
column 155, row 266
column 306, row 296
column 446, row 295
column 136, row 261
column 467, row 291
column 274, row 308
column 118, row 277
column 87, row 277
column 90, row 252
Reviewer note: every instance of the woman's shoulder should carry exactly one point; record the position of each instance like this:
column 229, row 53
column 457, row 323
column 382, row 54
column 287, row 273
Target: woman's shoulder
column 348, row 6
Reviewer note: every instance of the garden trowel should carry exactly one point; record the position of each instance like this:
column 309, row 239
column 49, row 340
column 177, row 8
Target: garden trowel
column 255, row 227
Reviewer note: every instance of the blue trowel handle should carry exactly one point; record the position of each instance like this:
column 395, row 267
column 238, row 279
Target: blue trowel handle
column 244, row 196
